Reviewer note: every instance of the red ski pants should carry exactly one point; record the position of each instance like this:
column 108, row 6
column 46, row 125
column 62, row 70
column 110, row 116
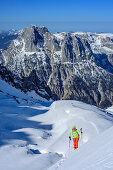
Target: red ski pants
column 75, row 142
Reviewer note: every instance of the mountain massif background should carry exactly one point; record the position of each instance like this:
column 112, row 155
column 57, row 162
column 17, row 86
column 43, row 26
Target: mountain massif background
column 76, row 66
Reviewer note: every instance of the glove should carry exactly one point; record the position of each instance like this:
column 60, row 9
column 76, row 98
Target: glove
column 70, row 137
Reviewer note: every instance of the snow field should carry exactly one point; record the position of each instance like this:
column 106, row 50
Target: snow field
column 35, row 135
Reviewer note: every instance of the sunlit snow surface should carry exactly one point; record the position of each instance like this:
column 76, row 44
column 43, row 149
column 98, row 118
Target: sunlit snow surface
column 110, row 110
column 34, row 134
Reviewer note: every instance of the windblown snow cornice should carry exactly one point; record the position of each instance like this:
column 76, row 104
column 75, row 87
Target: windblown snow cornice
column 73, row 65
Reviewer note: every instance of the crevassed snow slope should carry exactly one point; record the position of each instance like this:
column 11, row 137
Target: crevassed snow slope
column 35, row 136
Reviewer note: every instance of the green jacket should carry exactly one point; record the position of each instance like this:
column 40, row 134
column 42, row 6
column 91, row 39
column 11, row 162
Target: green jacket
column 75, row 133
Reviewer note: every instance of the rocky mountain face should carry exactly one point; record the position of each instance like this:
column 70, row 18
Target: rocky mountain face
column 26, row 84
column 75, row 66
column 6, row 37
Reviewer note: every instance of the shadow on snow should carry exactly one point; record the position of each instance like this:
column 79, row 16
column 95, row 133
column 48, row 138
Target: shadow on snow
column 15, row 118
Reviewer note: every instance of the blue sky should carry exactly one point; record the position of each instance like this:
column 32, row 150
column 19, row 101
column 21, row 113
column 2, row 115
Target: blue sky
column 58, row 15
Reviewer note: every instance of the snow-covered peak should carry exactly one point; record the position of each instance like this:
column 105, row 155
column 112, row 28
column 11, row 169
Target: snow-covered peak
column 101, row 43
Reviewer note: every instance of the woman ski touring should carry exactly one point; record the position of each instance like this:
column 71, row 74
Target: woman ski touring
column 75, row 133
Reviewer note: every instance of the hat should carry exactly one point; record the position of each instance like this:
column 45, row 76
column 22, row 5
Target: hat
column 73, row 127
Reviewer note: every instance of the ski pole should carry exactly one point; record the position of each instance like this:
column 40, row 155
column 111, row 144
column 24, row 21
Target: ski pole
column 81, row 132
column 69, row 145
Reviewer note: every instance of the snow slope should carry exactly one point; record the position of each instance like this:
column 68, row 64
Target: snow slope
column 94, row 155
column 110, row 110
column 63, row 114
column 34, row 135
